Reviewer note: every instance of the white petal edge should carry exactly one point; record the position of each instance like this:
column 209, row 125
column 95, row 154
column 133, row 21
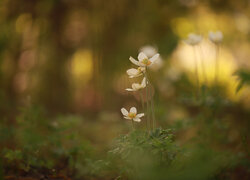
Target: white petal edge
column 133, row 110
column 154, row 58
column 124, row 111
column 136, row 86
column 132, row 72
column 126, row 117
column 140, row 115
column 133, row 76
column 137, row 119
column 128, row 89
column 142, row 56
column 134, row 61
column 143, row 83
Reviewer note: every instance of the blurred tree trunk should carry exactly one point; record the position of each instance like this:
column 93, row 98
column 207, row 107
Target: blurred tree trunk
column 54, row 91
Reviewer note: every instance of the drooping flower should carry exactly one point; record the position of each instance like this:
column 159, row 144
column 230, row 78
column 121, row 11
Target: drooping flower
column 215, row 37
column 132, row 114
column 135, row 72
column 143, row 60
column 193, row 39
column 138, row 86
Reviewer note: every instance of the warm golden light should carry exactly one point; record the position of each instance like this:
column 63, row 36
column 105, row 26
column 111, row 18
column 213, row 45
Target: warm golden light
column 186, row 56
column 82, row 66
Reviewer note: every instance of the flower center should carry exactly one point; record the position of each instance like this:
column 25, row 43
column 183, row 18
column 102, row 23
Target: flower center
column 140, row 69
column 146, row 61
column 131, row 115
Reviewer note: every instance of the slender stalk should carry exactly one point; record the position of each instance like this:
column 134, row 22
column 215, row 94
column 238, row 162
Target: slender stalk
column 152, row 109
column 148, row 117
column 216, row 74
column 142, row 104
column 142, row 100
column 196, row 74
column 133, row 125
column 203, row 65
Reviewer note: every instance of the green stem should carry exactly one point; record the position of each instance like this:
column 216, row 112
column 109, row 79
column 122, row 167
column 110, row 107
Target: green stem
column 203, row 65
column 142, row 101
column 216, row 64
column 142, row 104
column 148, row 117
column 133, row 126
column 153, row 110
column 196, row 74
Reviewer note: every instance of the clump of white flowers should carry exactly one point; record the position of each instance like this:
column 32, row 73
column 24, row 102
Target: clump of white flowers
column 216, row 37
column 193, row 39
column 144, row 62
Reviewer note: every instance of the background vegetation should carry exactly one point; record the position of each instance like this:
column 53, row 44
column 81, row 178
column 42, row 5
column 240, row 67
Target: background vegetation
column 63, row 80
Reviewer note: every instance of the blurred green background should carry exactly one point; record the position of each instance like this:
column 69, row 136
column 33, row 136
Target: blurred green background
column 63, row 77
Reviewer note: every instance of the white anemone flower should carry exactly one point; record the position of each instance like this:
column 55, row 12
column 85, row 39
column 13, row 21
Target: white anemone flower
column 138, row 86
column 143, row 59
column 215, row 37
column 150, row 51
column 132, row 114
column 136, row 72
column 193, row 39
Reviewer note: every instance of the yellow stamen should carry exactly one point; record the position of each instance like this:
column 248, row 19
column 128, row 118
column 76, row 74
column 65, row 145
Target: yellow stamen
column 131, row 115
column 146, row 61
column 140, row 69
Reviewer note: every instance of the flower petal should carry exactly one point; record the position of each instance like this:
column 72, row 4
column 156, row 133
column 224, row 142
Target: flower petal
column 216, row 37
column 133, row 110
column 126, row 117
column 132, row 72
column 137, row 119
column 134, row 61
column 129, row 89
column 124, row 111
column 135, row 75
column 143, row 83
column 154, row 58
column 140, row 115
column 142, row 56
column 193, row 39
column 136, row 86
